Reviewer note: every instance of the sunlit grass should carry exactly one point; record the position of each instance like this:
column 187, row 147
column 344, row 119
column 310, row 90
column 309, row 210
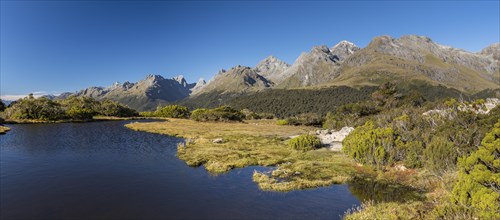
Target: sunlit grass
column 259, row 142
column 4, row 129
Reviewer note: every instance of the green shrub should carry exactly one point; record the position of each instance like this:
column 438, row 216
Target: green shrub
column 266, row 115
column 112, row 108
column 223, row 113
column 304, row 142
column 282, row 122
column 477, row 189
column 249, row 115
column 147, row 114
column 308, row 119
column 439, row 155
column 199, row 114
column 172, row 111
column 80, row 107
column 37, row 109
column 368, row 144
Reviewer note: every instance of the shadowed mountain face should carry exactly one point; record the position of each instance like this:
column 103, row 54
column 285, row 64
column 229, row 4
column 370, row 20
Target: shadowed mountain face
column 409, row 58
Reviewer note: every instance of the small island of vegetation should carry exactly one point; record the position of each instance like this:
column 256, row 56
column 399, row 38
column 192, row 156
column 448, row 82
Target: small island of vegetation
column 71, row 109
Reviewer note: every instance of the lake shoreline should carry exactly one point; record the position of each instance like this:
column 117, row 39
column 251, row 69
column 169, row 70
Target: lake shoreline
column 221, row 147
column 95, row 119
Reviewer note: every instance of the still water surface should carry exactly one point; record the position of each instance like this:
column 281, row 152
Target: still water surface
column 102, row 170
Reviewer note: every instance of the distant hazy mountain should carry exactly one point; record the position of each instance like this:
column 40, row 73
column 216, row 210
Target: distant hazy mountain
column 146, row 94
column 384, row 59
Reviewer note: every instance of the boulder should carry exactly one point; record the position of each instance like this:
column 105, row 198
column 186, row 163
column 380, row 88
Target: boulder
column 333, row 139
column 218, row 141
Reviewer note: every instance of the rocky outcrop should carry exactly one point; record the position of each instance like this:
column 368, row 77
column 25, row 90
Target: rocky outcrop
column 492, row 51
column 333, row 139
column 343, row 49
column 272, row 69
column 477, row 108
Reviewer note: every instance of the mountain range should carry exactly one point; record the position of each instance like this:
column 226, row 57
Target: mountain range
column 406, row 59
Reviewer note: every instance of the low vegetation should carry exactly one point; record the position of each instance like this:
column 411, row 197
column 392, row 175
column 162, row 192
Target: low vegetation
column 305, row 142
column 223, row 113
column 409, row 157
column 255, row 142
column 439, row 138
column 4, row 129
column 169, row 111
column 74, row 108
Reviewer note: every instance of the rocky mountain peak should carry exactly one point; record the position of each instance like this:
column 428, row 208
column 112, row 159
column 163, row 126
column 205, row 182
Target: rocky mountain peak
column 181, row 80
column 320, row 49
column 201, row 81
column 492, row 50
column 153, row 78
column 416, row 38
column 199, row 85
column 271, row 67
column 343, row 49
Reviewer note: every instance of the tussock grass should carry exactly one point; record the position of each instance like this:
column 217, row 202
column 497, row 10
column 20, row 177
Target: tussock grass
column 390, row 210
column 307, row 170
column 262, row 143
column 4, row 129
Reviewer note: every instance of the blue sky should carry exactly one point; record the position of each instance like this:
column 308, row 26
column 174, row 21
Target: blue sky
column 57, row 46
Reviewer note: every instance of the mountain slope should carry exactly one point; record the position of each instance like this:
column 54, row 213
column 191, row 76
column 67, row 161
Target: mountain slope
column 238, row 79
column 318, row 66
column 272, row 68
column 146, row 94
column 414, row 57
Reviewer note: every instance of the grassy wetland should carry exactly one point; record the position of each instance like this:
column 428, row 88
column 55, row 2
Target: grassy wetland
column 255, row 142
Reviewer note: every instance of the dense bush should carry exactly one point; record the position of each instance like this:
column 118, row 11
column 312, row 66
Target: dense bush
column 249, row 115
column 405, row 134
column 223, row 113
column 349, row 115
column 112, row 108
column 172, row 111
column 308, row 119
column 439, row 155
column 147, row 114
column 304, row 142
column 80, row 107
column 477, row 191
column 34, row 109
column 370, row 145
column 72, row 108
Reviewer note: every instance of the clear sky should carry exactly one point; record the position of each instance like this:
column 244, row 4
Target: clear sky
column 58, row 46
